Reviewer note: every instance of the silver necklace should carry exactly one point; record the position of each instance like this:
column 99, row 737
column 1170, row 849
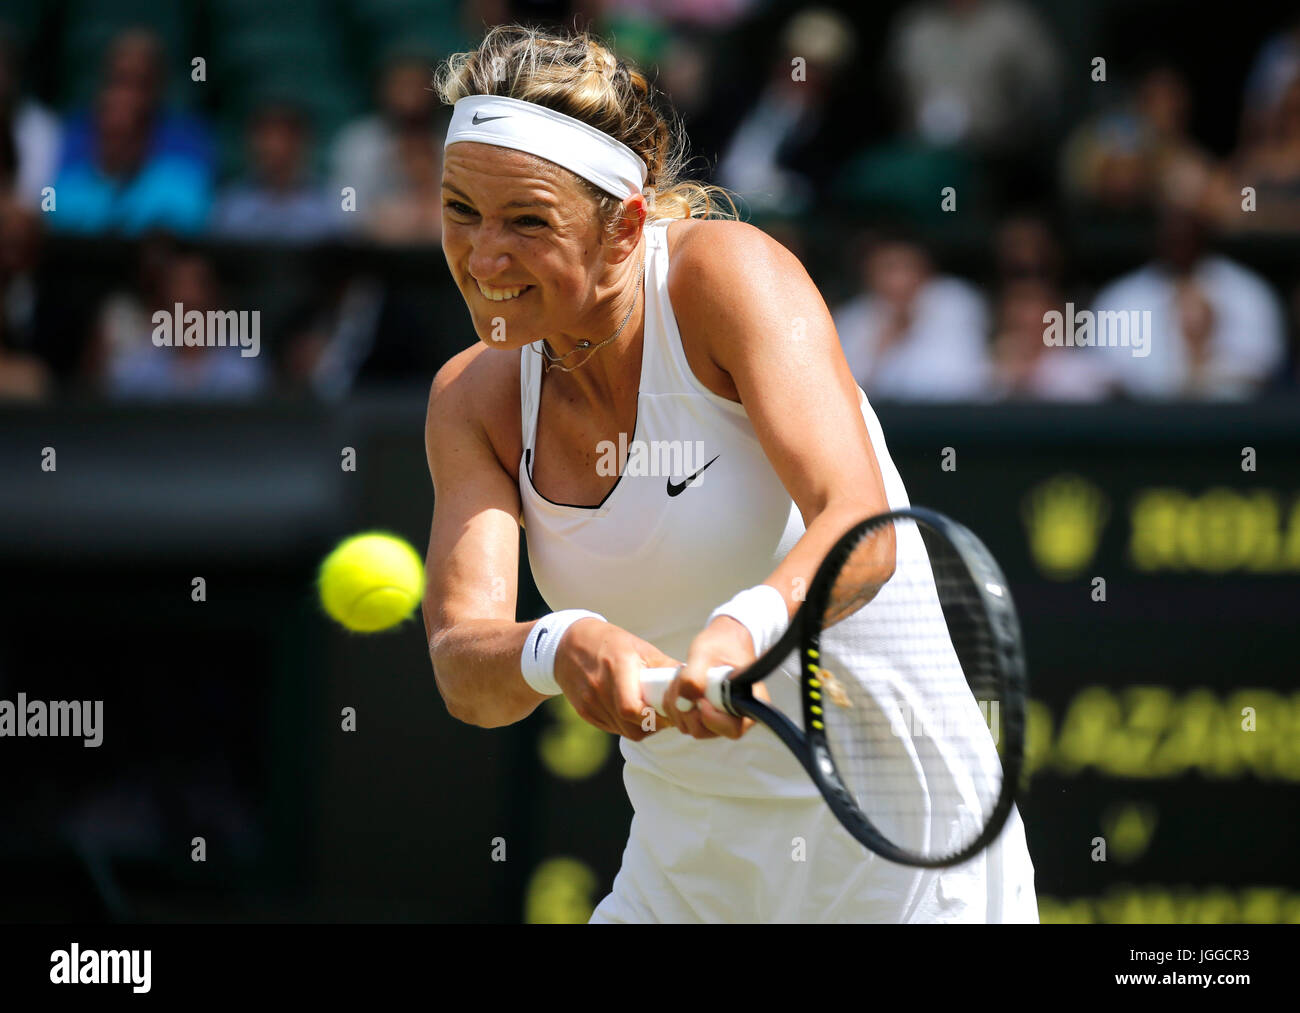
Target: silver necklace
column 585, row 345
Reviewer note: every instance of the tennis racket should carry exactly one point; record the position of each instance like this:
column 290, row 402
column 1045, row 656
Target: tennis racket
column 910, row 667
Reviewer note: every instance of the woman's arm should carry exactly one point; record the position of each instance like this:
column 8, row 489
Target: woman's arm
column 473, row 559
column 472, row 566
column 746, row 303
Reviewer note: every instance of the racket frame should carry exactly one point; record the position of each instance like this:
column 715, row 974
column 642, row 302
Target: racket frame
column 810, row 745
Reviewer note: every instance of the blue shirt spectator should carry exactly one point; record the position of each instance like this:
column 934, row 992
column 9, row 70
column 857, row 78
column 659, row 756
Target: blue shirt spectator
column 128, row 164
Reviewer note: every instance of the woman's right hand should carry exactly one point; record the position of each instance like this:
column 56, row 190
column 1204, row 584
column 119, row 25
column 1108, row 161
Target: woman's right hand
column 599, row 666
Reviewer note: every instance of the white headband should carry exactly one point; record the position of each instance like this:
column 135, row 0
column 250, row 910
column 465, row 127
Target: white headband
column 526, row 126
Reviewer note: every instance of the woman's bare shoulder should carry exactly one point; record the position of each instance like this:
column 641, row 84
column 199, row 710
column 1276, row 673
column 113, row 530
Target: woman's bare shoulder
column 721, row 274
column 721, row 248
column 477, row 392
column 718, row 266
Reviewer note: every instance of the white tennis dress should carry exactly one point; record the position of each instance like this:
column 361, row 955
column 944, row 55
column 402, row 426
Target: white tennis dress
column 728, row 830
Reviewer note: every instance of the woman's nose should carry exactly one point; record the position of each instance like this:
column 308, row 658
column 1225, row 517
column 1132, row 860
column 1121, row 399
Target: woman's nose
column 487, row 258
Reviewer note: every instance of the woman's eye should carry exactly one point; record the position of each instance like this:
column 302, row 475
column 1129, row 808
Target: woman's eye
column 460, row 208
column 530, row 221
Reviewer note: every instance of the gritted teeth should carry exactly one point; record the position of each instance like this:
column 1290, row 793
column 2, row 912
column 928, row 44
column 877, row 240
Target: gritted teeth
column 501, row 294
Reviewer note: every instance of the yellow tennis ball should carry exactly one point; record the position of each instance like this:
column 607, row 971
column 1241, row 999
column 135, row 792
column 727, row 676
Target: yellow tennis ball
column 371, row 582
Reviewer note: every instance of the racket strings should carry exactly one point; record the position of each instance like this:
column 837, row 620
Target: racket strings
column 910, row 693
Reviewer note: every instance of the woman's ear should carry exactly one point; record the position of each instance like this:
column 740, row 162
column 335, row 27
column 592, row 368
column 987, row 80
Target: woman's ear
column 628, row 225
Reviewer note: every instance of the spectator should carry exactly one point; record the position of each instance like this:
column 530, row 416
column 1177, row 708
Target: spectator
column 355, row 331
column 689, row 76
column 976, row 84
column 30, row 135
column 981, row 74
column 130, row 165
column 23, row 376
column 1276, row 65
column 393, row 159
column 413, row 212
column 277, row 202
column 912, row 334
column 1030, row 268
column 1217, row 329
column 1024, row 366
column 1271, row 166
column 1026, row 248
column 1292, row 373
column 791, row 140
column 198, row 372
column 124, row 321
column 1132, row 157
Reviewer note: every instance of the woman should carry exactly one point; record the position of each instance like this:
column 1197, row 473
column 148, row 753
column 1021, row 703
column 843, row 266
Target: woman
column 612, row 315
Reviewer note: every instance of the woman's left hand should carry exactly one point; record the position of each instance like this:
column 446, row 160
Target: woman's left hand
column 723, row 642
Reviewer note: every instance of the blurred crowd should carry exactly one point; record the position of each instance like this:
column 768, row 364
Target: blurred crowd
column 882, row 130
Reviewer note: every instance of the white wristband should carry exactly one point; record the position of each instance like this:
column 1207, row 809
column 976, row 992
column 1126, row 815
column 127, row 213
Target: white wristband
column 537, row 663
column 761, row 610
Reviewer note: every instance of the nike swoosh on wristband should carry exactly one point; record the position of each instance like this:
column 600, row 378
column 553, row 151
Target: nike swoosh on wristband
column 480, row 118
column 538, row 642
column 675, row 488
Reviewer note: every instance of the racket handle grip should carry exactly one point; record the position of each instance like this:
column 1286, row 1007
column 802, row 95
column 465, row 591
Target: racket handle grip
column 654, row 683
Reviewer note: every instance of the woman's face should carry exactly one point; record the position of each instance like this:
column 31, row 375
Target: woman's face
column 523, row 243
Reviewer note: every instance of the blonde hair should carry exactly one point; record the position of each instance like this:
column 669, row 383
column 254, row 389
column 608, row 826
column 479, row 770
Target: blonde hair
column 578, row 75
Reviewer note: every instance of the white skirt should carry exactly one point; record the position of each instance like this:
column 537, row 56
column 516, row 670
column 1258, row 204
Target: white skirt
column 717, row 859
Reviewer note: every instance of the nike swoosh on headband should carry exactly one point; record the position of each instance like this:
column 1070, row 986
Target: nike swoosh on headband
column 675, row 489
column 480, row 118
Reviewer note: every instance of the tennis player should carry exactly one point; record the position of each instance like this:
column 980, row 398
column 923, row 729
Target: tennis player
column 619, row 314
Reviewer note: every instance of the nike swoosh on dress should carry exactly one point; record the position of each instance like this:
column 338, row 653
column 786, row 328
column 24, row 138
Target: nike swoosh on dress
column 675, row 489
